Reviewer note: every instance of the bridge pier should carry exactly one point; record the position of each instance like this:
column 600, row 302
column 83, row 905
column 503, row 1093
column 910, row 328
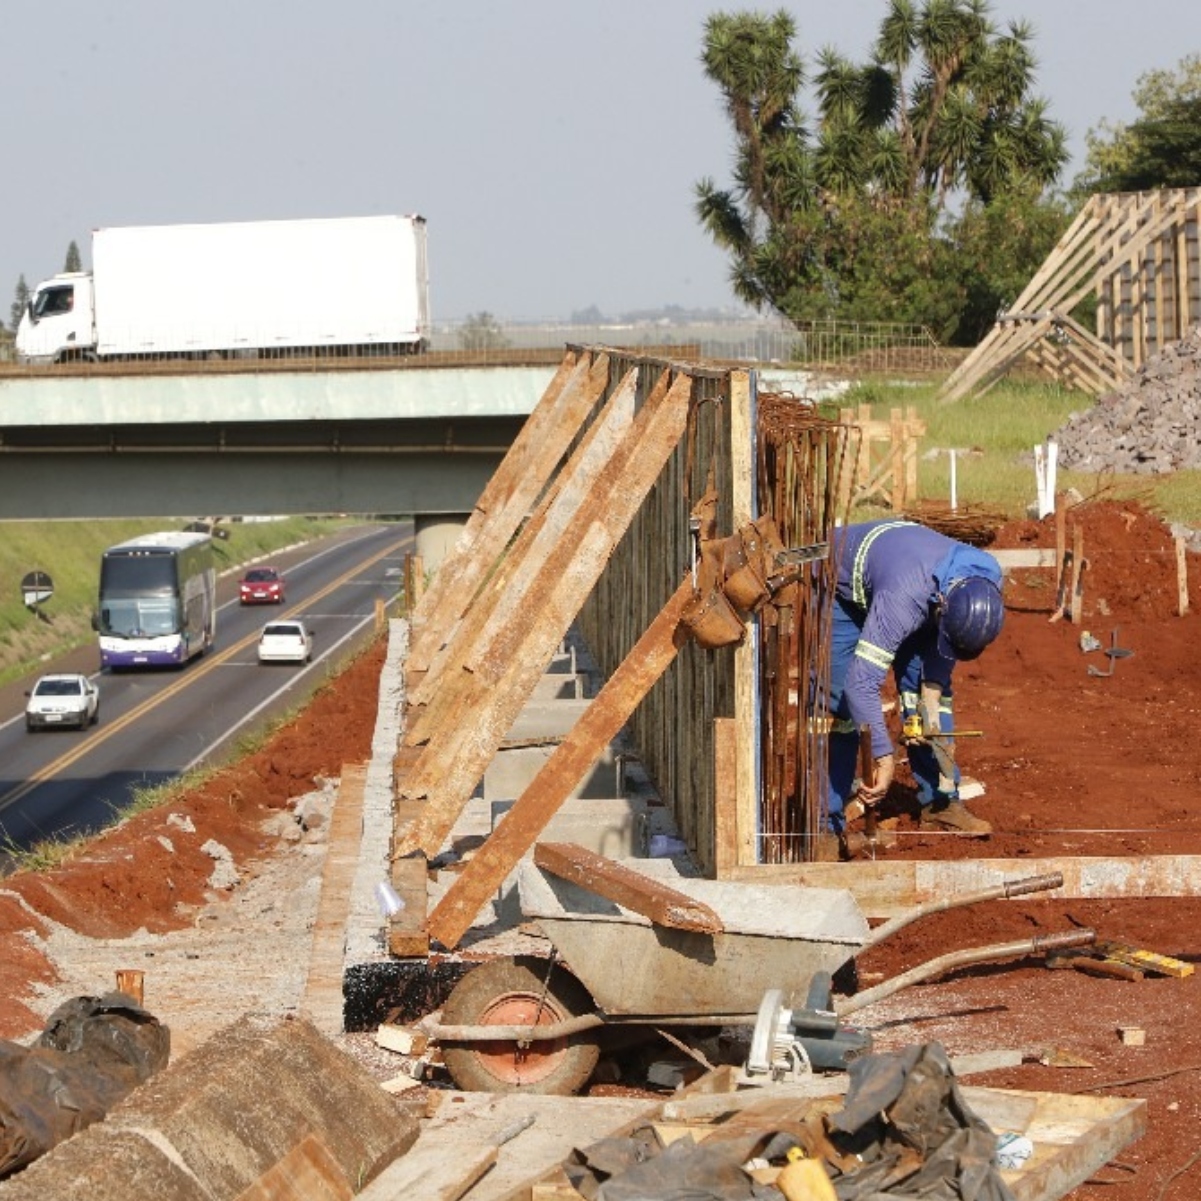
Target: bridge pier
column 436, row 535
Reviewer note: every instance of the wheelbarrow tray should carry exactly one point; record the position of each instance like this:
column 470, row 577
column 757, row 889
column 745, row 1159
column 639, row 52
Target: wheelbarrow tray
column 775, row 936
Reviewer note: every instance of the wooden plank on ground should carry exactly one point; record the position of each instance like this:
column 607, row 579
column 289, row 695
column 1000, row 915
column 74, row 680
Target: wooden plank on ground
column 520, row 827
column 1025, row 557
column 1073, row 1136
column 308, row 1171
column 623, row 886
column 884, row 888
column 466, row 1125
column 323, row 986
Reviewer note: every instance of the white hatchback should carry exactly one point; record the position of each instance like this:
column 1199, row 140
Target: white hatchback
column 285, row 642
column 62, row 699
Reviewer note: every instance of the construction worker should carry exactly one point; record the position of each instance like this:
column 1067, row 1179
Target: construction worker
column 913, row 600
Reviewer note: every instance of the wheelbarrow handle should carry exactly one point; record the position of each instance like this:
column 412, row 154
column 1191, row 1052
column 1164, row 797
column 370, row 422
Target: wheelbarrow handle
column 1012, row 888
column 1018, row 888
column 1039, row 945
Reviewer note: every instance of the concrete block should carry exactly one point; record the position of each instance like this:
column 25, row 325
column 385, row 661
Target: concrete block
column 614, row 827
column 512, row 769
column 560, row 686
column 215, row 1123
column 546, row 719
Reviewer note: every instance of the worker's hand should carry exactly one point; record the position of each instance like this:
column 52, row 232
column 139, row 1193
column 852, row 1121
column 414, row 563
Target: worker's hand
column 882, row 773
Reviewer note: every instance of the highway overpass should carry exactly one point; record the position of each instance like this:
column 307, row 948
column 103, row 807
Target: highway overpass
column 416, row 436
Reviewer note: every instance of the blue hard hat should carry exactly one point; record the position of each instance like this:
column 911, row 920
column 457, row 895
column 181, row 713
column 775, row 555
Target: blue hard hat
column 971, row 617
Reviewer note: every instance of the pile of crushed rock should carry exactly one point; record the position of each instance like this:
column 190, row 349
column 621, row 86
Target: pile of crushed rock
column 1149, row 427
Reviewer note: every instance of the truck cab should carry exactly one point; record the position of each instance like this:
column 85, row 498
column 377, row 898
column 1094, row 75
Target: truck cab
column 57, row 325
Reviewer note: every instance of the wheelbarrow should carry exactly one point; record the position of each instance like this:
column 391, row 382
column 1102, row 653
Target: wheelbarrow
column 531, row 1024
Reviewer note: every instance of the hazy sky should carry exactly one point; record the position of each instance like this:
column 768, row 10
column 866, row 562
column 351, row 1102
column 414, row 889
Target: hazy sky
column 552, row 145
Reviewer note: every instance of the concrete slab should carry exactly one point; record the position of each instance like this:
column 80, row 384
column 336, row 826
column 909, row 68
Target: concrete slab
column 512, row 769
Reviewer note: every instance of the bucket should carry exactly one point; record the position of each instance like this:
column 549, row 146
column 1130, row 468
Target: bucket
column 712, row 620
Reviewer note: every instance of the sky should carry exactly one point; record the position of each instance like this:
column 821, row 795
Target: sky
column 553, row 146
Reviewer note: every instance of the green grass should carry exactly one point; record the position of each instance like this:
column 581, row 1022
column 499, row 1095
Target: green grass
column 69, row 552
column 1002, row 428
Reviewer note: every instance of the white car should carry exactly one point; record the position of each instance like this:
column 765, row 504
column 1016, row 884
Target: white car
column 62, row 699
column 285, row 642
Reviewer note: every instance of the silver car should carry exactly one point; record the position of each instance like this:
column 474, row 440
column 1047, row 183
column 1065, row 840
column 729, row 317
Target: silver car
column 62, row 699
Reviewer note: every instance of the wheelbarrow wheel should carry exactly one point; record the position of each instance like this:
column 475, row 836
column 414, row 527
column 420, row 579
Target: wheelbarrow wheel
column 508, row 992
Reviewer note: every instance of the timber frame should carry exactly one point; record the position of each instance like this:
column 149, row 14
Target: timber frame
column 1137, row 253
column 626, row 467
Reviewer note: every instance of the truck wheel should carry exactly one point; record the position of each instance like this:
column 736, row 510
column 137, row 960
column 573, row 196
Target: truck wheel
column 507, row 992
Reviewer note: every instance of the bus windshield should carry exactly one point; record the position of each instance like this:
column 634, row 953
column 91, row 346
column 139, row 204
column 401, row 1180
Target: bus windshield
column 140, row 618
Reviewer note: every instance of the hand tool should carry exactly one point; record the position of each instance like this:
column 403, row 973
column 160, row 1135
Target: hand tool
column 867, row 773
column 1113, row 653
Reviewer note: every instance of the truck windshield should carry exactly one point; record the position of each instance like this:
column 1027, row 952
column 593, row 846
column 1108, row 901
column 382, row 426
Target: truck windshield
column 52, row 301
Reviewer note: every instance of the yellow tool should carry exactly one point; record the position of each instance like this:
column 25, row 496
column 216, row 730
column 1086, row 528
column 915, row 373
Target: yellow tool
column 913, row 731
column 804, row 1179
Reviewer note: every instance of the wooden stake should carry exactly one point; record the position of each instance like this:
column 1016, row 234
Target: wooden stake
column 1181, row 579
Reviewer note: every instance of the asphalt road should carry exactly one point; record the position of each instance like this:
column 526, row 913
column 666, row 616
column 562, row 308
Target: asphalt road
column 154, row 725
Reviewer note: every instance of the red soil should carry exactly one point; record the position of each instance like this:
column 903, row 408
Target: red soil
column 1074, row 765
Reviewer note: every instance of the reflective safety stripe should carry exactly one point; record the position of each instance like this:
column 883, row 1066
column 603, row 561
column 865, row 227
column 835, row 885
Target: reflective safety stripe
column 909, row 702
column 844, row 725
column 858, row 590
column 877, row 656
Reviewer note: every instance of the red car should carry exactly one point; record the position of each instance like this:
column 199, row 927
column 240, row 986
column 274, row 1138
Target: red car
column 261, row 586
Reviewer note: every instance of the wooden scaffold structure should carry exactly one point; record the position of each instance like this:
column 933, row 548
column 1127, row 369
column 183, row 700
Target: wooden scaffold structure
column 1137, row 253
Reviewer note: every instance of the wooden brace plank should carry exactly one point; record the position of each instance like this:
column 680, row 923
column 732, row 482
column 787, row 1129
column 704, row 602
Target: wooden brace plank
column 505, row 501
column 472, row 606
column 513, row 664
column 632, row 890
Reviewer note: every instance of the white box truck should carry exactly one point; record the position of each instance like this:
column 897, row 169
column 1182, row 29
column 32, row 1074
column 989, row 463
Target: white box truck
column 248, row 289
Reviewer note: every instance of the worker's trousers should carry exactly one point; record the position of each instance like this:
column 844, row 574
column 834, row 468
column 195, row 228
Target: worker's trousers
column 844, row 734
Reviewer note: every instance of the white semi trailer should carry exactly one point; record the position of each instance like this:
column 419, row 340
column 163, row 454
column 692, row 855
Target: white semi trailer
column 241, row 289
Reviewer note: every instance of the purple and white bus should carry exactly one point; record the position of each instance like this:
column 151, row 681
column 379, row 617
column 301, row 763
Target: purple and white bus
column 158, row 600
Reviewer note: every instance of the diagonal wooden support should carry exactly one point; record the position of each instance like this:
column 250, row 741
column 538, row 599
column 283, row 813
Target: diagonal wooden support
column 508, row 590
column 468, row 738
column 664, row 905
column 650, row 657
column 509, row 496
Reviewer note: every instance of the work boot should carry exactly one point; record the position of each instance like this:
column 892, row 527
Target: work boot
column 956, row 818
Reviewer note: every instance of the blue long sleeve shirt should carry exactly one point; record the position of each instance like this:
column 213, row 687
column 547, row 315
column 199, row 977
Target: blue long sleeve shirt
column 892, row 572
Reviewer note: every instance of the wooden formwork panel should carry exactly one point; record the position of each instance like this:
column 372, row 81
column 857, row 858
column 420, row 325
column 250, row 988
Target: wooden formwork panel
column 1138, row 254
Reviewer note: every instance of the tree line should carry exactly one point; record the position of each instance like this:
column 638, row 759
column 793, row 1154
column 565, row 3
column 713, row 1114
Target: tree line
column 924, row 186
